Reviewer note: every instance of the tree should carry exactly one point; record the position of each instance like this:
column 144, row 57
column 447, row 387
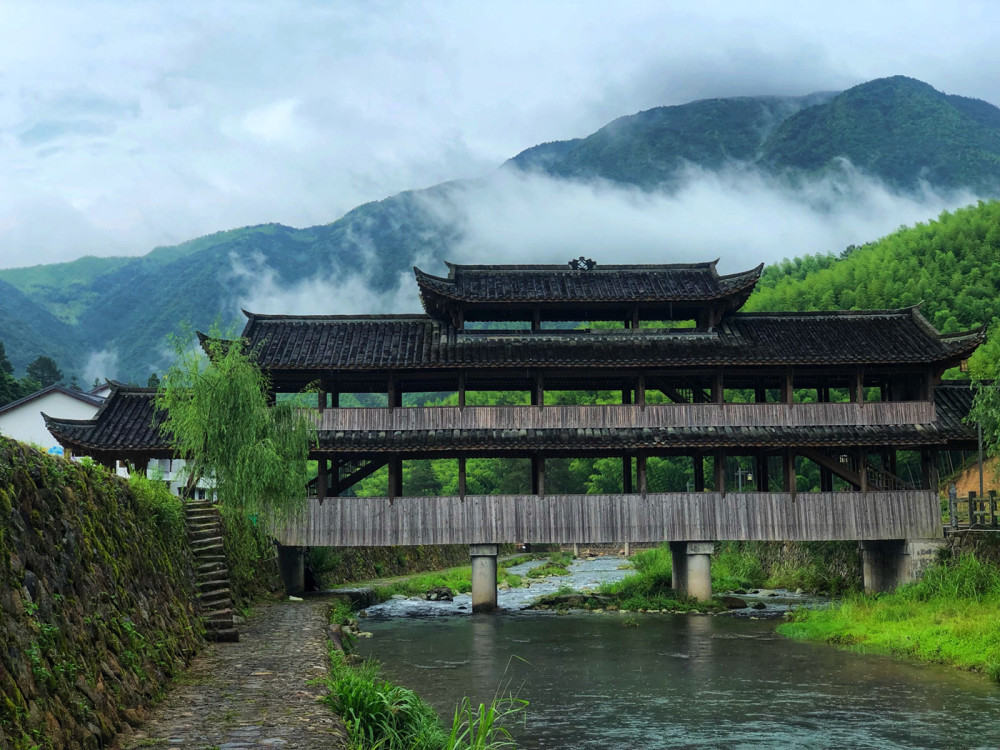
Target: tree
column 218, row 420
column 5, row 365
column 45, row 371
column 153, row 381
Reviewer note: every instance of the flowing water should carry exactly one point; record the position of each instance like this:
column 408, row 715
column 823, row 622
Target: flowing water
column 597, row 681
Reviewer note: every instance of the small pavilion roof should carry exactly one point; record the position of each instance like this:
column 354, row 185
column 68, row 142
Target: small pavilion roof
column 406, row 342
column 685, row 284
column 126, row 422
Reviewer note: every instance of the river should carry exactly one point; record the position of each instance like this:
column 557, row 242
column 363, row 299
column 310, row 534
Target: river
column 598, row 681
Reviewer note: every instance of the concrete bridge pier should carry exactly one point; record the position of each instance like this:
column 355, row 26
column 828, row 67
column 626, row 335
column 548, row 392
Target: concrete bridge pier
column 888, row 563
column 484, row 577
column 292, row 568
column 691, row 571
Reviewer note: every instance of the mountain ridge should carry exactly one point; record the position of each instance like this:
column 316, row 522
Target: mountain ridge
column 126, row 307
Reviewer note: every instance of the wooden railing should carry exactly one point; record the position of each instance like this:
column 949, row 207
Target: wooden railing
column 974, row 511
column 626, row 415
column 564, row 519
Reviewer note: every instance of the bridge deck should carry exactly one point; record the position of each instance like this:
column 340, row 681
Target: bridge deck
column 565, row 519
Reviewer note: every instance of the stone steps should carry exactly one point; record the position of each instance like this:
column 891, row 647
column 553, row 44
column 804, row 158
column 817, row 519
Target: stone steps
column 211, row 571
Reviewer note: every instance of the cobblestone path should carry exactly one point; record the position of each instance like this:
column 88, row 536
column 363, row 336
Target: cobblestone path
column 252, row 694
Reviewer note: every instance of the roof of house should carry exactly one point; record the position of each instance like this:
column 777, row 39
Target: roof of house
column 86, row 398
column 401, row 342
column 532, row 284
column 127, row 421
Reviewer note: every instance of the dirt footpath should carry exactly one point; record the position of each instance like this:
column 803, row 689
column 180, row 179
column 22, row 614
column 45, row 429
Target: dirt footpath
column 255, row 693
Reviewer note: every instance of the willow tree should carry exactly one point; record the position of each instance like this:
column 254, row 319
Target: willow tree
column 216, row 415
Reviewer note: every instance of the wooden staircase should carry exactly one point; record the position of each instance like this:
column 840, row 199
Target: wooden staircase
column 205, row 536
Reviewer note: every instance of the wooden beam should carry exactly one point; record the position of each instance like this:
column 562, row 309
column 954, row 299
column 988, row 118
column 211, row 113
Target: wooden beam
column 640, row 473
column 699, row 472
column 717, row 387
column 789, row 472
column 461, row 390
column 844, row 471
column 349, row 480
column 461, row 477
column 627, row 475
column 763, row 480
column 393, row 393
column 787, row 390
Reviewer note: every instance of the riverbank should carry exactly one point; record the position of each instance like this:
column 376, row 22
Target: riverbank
column 948, row 617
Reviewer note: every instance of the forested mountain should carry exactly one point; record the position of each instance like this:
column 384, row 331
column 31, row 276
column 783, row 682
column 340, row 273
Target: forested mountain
column 899, row 130
column 949, row 266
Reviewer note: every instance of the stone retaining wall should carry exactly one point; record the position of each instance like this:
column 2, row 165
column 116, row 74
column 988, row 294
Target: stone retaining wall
column 97, row 602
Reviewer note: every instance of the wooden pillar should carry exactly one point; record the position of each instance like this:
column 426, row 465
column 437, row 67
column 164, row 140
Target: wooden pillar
column 460, row 320
column 720, row 472
column 640, row 473
column 536, row 319
column 928, row 469
column 635, row 318
column 787, row 389
column 627, row 475
column 825, row 479
column 760, row 395
column 626, row 395
column 395, row 476
column 893, row 465
column 788, row 472
column 717, row 387
column 395, row 396
column 823, row 392
column 321, row 398
column 461, row 390
column 858, row 387
column 321, row 479
column 699, row 472
column 640, row 388
column 863, row 470
column 763, row 481
column 461, row 477
column 538, row 390
column 538, row 474
column 335, row 398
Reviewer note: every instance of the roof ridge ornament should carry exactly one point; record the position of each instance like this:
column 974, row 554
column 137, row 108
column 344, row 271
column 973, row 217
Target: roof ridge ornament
column 582, row 264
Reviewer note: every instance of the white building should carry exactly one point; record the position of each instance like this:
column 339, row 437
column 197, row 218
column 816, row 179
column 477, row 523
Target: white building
column 22, row 419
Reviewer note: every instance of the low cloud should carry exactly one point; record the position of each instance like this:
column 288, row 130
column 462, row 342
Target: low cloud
column 740, row 215
column 101, row 365
column 337, row 291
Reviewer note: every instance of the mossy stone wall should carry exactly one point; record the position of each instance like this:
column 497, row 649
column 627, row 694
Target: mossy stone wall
column 97, row 602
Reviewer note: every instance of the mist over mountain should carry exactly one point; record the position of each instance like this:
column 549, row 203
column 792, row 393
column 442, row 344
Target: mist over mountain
column 745, row 179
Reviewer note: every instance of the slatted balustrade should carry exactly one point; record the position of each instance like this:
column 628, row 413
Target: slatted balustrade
column 564, row 519
column 626, row 415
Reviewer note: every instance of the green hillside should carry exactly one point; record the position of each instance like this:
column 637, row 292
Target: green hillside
column 900, row 129
column 949, row 266
column 648, row 149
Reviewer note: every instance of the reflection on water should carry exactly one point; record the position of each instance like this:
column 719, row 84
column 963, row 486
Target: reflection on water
column 681, row 681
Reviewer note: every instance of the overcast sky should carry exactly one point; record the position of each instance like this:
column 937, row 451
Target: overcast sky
column 126, row 125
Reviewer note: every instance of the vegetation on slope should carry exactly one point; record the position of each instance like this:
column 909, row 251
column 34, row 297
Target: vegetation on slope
column 949, row 266
column 948, row 617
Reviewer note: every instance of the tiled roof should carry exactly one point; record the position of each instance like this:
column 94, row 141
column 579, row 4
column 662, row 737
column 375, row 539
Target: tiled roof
column 693, row 282
column 402, row 342
column 127, row 421
column 627, row 439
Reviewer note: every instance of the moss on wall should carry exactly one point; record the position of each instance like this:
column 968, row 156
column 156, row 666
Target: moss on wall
column 97, row 602
column 335, row 565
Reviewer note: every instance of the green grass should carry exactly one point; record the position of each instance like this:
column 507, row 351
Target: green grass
column 457, row 579
column 650, row 586
column 949, row 617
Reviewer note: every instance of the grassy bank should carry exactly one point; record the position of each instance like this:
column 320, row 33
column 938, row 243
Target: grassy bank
column 380, row 715
column 459, row 579
column 949, row 617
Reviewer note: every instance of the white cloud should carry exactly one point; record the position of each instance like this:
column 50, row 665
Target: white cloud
column 101, row 365
column 739, row 215
column 158, row 122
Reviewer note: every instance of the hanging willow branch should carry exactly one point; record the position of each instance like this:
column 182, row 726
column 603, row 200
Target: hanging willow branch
column 218, row 420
